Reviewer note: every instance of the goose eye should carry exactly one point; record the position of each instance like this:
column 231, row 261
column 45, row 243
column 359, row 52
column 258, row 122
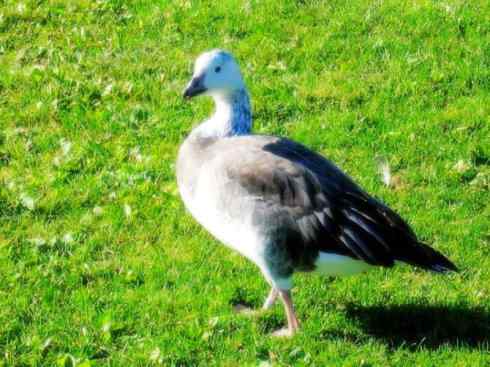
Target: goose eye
column 217, row 69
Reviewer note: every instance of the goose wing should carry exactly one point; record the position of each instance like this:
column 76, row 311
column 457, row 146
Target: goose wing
column 319, row 208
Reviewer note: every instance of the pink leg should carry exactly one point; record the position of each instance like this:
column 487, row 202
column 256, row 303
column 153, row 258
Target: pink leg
column 269, row 302
column 293, row 323
column 271, row 299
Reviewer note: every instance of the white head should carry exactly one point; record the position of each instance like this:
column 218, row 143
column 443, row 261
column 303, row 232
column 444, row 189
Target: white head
column 216, row 73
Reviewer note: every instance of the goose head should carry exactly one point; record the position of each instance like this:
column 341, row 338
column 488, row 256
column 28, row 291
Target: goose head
column 216, row 73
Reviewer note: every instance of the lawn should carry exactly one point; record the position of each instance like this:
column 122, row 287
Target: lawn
column 101, row 265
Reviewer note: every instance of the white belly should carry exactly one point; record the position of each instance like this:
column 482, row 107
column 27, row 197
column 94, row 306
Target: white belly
column 237, row 233
column 333, row 264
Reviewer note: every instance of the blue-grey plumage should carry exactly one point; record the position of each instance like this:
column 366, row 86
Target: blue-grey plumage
column 283, row 206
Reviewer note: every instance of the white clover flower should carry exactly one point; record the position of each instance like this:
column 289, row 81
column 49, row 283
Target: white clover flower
column 156, row 355
column 97, row 211
column 127, row 210
column 107, row 89
column 27, row 201
column 65, row 146
column 385, row 171
column 68, row 238
column 21, row 8
column 135, row 154
column 38, row 241
column 462, row 166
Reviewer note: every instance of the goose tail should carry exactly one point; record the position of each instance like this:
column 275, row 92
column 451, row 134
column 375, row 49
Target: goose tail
column 426, row 257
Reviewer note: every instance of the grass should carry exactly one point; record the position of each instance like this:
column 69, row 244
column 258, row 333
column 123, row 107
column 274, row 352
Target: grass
column 101, row 265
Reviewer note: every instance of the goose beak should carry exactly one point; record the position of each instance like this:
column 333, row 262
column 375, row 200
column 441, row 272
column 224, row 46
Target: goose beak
column 195, row 87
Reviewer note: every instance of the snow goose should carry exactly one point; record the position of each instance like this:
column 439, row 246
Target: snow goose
column 281, row 205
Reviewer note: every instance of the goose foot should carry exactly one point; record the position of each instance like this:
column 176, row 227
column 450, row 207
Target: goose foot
column 242, row 309
column 282, row 333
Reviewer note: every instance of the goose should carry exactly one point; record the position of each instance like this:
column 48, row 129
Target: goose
column 281, row 205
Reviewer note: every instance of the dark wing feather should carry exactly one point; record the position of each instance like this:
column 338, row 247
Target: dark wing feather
column 322, row 209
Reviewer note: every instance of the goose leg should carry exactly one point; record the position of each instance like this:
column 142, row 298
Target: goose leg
column 271, row 299
column 293, row 323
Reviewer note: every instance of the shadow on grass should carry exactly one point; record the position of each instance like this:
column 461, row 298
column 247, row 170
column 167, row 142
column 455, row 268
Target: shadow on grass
column 428, row 326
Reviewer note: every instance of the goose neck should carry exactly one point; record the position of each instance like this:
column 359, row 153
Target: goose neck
column 232, row 116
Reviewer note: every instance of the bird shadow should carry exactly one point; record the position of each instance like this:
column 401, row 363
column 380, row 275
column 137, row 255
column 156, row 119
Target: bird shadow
column 429, row 326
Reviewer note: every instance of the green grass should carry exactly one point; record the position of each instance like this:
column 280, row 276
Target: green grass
column 101, row 265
